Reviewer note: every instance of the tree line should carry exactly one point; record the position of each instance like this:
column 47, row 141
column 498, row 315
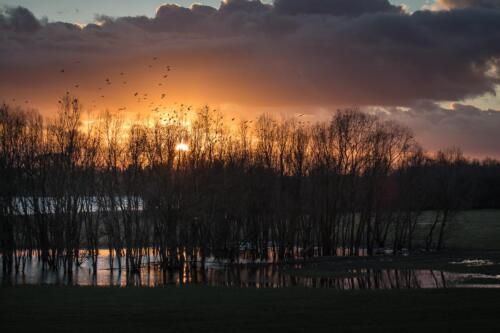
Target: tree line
column 181, row 189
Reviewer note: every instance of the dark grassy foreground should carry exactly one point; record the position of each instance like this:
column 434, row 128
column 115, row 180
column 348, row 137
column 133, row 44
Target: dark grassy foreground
column 203, row 309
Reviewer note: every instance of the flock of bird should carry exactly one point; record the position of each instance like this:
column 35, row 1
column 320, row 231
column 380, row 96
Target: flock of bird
column 174, row 117
column 161, row 109
column 140, row 97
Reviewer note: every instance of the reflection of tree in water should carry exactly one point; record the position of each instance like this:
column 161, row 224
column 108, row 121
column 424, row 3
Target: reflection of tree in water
column 237, row 275
column 377, row 279
column 273, row 276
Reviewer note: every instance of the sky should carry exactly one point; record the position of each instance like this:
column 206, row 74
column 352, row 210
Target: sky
column 431, row 65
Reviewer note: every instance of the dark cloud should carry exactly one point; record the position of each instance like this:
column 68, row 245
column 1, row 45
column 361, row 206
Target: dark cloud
column 168, row 18
column 474, row 130
column 18, row 19
column 452, row 4
column 335, row 7
column 232, row 6
column 270, row 57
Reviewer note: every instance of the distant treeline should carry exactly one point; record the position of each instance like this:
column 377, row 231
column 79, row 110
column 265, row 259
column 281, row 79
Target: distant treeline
column 273, row 189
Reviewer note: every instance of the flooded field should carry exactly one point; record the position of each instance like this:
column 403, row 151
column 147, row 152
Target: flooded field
column 249, row 275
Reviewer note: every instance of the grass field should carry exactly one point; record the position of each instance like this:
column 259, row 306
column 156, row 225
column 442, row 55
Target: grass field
column 467, row 230
column 202, row 309
column 475, row 229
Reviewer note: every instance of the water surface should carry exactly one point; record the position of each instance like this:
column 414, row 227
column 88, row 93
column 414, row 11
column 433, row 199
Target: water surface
column 245, row 275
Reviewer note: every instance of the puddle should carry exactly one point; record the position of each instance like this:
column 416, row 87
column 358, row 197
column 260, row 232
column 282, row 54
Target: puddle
column 473, row 262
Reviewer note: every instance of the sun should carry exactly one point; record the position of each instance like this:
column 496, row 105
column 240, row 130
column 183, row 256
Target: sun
column 182, row 147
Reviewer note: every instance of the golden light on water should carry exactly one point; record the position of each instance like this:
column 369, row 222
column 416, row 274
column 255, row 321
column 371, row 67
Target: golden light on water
column 182, row 147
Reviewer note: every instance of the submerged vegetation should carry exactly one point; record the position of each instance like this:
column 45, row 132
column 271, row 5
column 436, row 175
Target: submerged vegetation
column 179, row 190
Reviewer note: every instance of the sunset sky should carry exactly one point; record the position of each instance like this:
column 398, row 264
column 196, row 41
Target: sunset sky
column 431, row 65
